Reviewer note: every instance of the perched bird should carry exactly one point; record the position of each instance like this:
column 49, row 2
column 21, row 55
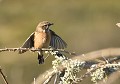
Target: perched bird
column 43, row 37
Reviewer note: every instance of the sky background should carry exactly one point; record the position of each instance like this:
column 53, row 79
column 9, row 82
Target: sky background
column 85, row 25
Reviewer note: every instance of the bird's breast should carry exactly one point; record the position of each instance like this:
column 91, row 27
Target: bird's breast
column 42, row 39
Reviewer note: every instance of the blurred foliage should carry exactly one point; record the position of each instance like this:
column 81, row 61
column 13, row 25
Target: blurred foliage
column 85, row 25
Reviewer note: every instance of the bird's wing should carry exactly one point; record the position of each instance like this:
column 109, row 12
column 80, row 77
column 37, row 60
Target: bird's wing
column 57, row 42
column 29, row 43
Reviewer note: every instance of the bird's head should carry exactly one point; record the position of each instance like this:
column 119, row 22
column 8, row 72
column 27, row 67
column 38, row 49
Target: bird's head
column 43, row 26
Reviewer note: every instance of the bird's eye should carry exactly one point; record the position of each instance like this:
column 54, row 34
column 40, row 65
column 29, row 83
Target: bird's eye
column 45, row 25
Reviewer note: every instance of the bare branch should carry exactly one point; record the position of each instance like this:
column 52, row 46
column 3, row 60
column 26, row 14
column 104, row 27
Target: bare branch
column 55, row 81
column 3, row 76
column 109, row 52
column 34, row 50
column 45, row 77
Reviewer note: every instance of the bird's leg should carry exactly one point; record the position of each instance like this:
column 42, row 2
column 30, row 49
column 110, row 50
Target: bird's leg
column 40, row 57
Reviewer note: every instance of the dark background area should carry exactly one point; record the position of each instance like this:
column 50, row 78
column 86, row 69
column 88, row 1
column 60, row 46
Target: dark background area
column 85, row 25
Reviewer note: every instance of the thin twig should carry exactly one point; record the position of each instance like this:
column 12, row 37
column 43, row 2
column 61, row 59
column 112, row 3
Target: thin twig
column 3, row 76
column 49, row 79
column 34, row 81
column 47, row 56
column 56, row 78
column 29, row 49
column 114, row 59
column 33, row 50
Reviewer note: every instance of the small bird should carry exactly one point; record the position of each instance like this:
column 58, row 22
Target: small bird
column 43, row 37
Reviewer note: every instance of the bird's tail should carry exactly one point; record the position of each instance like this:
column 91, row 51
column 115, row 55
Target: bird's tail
column 40, row 58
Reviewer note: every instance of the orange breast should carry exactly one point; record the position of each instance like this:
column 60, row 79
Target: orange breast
column 41, row 40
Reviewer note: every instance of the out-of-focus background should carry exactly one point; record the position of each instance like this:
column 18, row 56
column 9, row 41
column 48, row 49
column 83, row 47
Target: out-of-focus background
column 86, row 25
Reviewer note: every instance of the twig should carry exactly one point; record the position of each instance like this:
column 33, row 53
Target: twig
column 56, row 78
column 3, row 76
column 47, row 56
column 45, row 77
column 114, row 59
column 34, row 50
column 29, row 49
column 49, row 79
column 34, row 81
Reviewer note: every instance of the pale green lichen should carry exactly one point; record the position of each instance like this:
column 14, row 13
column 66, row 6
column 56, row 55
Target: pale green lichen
column 72, row 67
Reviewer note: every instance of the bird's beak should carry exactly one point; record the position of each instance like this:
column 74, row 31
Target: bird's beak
column 50, row 24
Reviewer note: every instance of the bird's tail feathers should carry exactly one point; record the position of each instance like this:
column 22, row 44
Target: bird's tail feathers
column 40, row 58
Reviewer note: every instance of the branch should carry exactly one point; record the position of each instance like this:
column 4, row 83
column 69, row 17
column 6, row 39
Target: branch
column 45, row 77
column 3, row 76
column 110, row 52
column 34, row 50
column 28, row 49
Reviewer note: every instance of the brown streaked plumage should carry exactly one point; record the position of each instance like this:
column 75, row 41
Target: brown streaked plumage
column 43, row 37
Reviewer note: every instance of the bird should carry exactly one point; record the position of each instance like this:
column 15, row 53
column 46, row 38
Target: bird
column 43, row 37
